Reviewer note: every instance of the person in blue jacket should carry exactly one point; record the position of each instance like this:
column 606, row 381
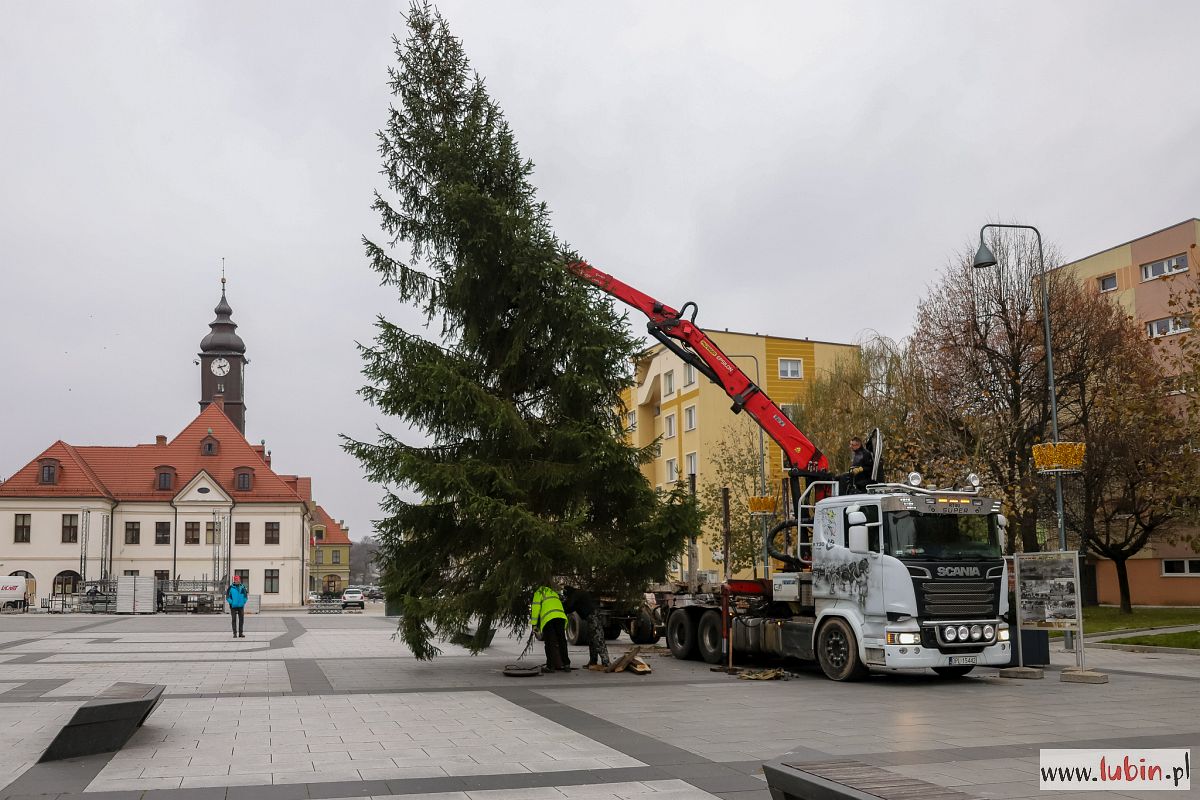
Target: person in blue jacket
column 236, row 597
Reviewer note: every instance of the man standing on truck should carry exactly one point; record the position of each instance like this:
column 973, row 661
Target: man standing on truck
column 584, row 604
column 862, row 461
column 548, row 618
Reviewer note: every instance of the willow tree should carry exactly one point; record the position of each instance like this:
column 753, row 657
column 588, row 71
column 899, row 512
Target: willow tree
column 512, row 382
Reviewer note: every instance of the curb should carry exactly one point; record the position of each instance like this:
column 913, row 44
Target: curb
column 1143, row 648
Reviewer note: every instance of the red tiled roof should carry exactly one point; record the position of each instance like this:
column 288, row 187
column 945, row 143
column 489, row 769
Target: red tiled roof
column 128, row 473
column 334, row 533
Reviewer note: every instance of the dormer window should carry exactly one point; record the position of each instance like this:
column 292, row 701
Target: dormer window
column 319, row 534
column 209, row 446
column 243, row 479
column 164, row 478
column 48, row 470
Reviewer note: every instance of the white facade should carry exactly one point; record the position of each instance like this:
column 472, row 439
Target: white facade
column 177, row 549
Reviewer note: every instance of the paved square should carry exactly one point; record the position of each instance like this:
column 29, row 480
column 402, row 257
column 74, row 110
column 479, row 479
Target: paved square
column 333, row 706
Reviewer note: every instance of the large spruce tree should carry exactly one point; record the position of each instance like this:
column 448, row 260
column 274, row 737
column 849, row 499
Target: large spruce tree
column 525, row 476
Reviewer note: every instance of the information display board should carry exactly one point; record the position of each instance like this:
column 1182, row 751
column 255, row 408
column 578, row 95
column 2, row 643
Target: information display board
column 1048, row 595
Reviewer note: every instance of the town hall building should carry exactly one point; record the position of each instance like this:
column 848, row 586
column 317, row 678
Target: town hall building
column 203, row 505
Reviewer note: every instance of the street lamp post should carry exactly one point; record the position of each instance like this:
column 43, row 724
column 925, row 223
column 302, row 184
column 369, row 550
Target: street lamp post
column 762, row 468
column 985, row 258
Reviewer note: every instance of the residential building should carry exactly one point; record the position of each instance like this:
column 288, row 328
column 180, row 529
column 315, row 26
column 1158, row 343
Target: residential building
column 329, row 555
column 1139, row 275
column 691, row 414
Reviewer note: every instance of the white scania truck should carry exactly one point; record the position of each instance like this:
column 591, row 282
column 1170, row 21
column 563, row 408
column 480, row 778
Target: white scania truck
column 893, row 576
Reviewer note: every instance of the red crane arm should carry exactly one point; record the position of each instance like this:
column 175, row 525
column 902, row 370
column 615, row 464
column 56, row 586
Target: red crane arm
column 670, row 327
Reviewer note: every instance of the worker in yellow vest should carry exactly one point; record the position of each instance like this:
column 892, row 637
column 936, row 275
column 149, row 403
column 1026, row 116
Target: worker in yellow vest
column 548, row 618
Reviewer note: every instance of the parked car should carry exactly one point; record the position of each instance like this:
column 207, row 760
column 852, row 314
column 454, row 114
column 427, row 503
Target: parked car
column 353, row 597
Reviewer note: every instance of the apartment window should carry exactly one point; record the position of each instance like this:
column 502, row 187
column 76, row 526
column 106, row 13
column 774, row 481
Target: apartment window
column 21, row 528
column 791, row 368
column 241, row 533
column 272, row 533
column 790, row 410
column 162, row 533
column 691, row 464
column 1180, row 566
column 337, row 556
column 132, row 573
column 210, row 533
column 689, row 418
column 191, row 533
column 320, row 556
column 271, row 581
column 319, row 534
column 672, row 470
column 1168, row 266
column 1166, row 327
column 1108, row 283
column 631, row 420
column 70, row 528
column 164, row 481
column 669, row 382
column 162, row 575
column 669, row 426
column 133, row 533
column 244, row 574
column 689, row 374
column 244, row 480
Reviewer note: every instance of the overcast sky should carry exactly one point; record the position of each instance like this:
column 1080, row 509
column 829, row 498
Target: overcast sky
column 798, row 168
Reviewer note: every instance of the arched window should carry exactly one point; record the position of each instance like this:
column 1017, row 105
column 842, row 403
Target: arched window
column 66, row 582
column 332, row 584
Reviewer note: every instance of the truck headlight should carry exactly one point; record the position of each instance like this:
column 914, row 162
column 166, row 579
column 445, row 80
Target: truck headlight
column 963, row 633
column 950, row 633
column 894, row 637
column 1004, row 634
column 976, row 633
column 989, row 632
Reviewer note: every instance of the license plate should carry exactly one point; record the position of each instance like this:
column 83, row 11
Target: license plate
column 956, row 660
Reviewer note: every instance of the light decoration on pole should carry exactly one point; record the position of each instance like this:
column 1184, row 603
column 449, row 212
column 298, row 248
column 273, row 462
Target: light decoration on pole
column 1052, row 458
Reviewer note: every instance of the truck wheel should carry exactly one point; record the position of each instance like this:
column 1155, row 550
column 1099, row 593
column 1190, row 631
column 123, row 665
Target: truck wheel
column 708, row 637
column 578, row 632
column 612, row 631
column 681, row 634
column 837, row 652
column 952, row 672
column 642, row 629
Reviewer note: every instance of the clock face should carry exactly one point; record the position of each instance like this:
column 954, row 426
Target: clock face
column 219, row 367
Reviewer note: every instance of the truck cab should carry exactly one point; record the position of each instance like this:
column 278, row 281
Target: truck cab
column 908, row 578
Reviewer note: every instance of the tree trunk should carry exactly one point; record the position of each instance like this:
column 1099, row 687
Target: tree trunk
column 1029, row 537
column 1123, row 583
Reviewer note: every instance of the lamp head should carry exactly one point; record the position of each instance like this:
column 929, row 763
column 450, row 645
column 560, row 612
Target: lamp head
column 984, row 256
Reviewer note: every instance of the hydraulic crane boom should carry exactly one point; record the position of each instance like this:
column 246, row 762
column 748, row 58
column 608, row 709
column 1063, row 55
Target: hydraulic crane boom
column 683, row 338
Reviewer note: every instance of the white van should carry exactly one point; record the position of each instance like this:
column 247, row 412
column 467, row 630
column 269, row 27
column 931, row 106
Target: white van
column 13, row 590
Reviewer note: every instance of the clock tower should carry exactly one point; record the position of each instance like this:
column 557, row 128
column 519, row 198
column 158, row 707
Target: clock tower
column 222, row 364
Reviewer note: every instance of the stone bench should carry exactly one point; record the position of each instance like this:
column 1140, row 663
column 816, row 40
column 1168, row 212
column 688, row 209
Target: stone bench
column 848, row 780
column 106, row 722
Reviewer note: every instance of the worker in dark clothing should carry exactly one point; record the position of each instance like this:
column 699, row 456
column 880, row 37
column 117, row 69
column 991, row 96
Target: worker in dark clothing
column 548, row 618
column 862, row 461
column 584, row 604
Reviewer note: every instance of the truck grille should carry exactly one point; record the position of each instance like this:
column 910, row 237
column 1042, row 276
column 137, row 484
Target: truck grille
column 959, row 599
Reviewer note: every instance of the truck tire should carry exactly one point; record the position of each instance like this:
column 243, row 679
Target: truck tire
column 681, row 634
column 642, row 629
column 708, row 637
column 578, row 631
column 612, row 631
column 837, row 652
column 952, row 672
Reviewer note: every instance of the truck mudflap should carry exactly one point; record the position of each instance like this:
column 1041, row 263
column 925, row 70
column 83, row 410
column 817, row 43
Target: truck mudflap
column 918, row 657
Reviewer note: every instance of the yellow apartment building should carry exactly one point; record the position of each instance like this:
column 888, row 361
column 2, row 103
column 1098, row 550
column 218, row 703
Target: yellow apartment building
column 690, row 413
column 1139, row 276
